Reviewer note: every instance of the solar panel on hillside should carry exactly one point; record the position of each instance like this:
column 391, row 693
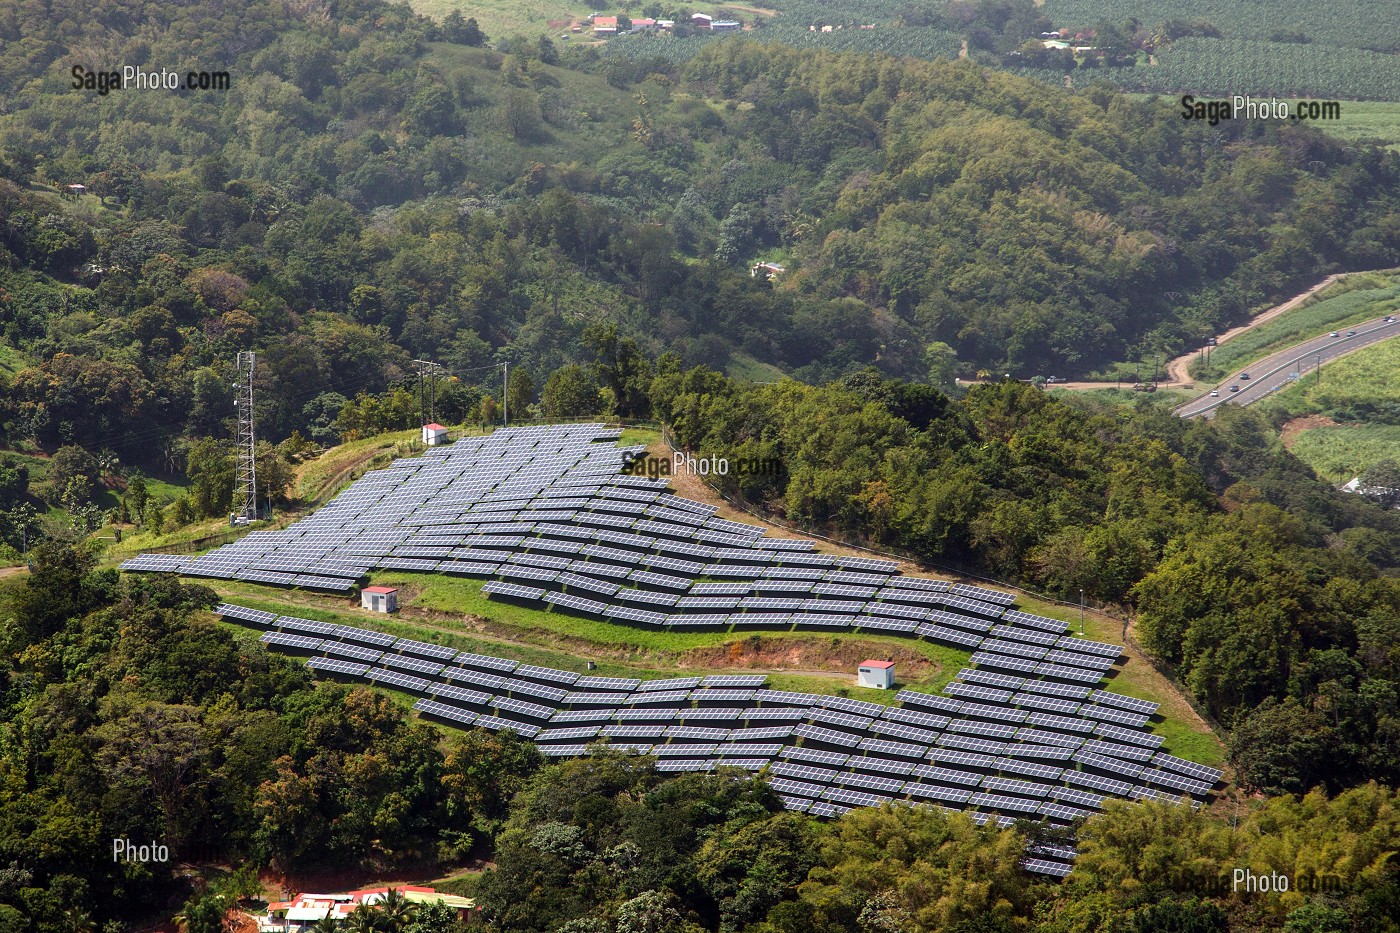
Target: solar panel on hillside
column 336, row 666
column 398, row 680
column 1031, row 768
column 502, row 724
column 1085, row 646
column 287, row 640
column 915, row 717
column 1176, row 782
column 485, row 662
column 1189, row 768
column 962, row 760
column 930, row 701
column 1107, row 698
column 1028, row 620
column 951, row 636
column 1030, row 636
column 304, row 626
column 1121, row 717
column 356, row 652
column 491, row 682
column 458, row 716
column 572, row 734
column 1132, row 736
column 460, row 694
column 407, row 663
column 1016, row 786
column 1042, row 866
column 977, row 692
column 647, row 597
column 1098, row 782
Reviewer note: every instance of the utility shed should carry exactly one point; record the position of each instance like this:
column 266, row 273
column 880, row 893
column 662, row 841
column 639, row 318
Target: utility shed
column 878, row 674
column 434, row 434
column 379, row 599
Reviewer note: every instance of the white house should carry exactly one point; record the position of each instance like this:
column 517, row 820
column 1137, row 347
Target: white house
column 379, row 599
column 434, row 434
column 877, row 674
column 725, row 25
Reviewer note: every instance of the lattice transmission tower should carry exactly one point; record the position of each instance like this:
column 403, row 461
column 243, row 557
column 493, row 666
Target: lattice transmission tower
column 245, row 496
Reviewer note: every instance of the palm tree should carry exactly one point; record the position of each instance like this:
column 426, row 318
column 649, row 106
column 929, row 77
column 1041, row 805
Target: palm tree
column 363, row 919
column 395, row 909
column 326, row 924
column 108, row 464
column 77, row 921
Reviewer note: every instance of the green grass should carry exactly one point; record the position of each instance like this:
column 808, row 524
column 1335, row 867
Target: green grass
column 660, row 655
column 747, row 369
column 501, row 18
column 1343, row 451
column 1351, row 301
column 1365, row 121
column 11, row 361
column 459, row 596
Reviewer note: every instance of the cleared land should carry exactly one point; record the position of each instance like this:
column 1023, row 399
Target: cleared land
column 453, row 611
column 501, row 18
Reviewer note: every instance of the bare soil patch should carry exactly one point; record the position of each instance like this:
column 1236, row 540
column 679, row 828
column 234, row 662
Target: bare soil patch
column 809, row 656
column 1291, row 430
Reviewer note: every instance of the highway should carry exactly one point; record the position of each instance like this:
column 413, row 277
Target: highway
column 1275, row 372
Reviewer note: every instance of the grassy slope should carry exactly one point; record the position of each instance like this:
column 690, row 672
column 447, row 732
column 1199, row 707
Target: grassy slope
column 1352, row 301
column 1344, row 450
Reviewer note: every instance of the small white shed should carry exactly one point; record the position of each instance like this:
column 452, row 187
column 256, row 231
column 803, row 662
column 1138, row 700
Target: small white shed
column 379, row 599
column 434, row 434
column 877, row 674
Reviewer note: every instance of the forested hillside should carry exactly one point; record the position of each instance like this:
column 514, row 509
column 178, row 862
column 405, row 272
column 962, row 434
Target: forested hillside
column 365, row 193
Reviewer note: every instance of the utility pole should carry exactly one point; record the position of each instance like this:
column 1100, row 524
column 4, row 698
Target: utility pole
column 1081, row 610
column 246, row 495
column 505, row 393
column 428, row 372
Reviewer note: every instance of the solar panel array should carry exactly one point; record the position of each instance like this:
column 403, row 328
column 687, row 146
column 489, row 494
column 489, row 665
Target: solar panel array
column 546, row 517
column 982, row 747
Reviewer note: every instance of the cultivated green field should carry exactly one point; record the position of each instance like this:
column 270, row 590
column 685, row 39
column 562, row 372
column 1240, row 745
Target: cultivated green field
column 500, row 18
column 1362, row 388
column 1342, row 451
column 1366, row 121
column 1351, row 301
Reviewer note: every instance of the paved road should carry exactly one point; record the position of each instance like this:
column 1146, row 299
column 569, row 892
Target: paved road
column 1275, row 372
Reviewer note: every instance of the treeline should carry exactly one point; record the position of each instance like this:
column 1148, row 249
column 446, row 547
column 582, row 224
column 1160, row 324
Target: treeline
column 128, row 714
column 1260, row 583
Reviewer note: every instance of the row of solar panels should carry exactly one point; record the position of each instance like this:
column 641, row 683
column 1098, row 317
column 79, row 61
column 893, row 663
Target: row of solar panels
column 857, row 715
